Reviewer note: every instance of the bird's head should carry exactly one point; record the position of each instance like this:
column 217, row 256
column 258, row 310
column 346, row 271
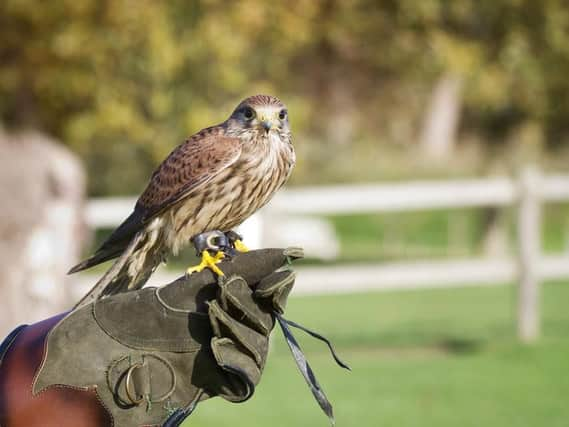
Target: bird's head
column 261, row 113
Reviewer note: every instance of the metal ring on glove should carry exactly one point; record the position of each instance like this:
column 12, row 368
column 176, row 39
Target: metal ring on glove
column 128, row 384
column 131, row 393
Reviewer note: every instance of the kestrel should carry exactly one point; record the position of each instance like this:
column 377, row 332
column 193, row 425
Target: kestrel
column 213, row 181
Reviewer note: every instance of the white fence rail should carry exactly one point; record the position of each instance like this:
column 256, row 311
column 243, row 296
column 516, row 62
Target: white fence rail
column 527, row 192
column 370, row 198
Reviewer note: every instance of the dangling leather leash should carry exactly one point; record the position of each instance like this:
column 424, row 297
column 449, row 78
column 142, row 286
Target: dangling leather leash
column 304, row 366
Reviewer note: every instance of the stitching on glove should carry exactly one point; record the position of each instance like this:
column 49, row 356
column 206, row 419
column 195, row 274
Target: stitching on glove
column 225, row 294
column 294, row 252
column 218, row 317
column 245, row 311
column 217, row 345
column 266, row 292
column 174, row 309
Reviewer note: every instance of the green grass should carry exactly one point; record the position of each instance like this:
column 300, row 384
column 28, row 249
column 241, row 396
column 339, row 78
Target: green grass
column 407, row 235
column 419, row 358
column 441, row 233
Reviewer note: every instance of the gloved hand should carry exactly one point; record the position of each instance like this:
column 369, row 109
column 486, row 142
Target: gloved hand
column 151, row 355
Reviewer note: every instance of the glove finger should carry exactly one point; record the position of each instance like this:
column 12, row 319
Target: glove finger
column 244, row 371
column 276, row 288
column 190, row 293
column 225, row 326
column 236, row 298
column 254, row 265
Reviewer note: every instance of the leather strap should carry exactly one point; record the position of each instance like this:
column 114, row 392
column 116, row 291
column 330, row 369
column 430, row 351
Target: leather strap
column 304, row 366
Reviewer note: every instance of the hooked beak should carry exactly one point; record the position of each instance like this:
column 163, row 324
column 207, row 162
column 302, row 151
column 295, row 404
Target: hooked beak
column 267, row 125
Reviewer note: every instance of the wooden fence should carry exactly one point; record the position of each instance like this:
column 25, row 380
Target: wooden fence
column 526, row 192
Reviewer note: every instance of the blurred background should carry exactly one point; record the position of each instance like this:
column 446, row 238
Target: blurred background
column 430, row 192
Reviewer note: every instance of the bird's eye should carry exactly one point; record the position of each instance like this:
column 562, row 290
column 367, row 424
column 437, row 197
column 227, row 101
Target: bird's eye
column 282, row 115
column 248, row 113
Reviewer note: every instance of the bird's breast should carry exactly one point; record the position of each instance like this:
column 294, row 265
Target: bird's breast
column 230, row 197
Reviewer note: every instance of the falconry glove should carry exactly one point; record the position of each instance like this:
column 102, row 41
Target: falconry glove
column 149, row 356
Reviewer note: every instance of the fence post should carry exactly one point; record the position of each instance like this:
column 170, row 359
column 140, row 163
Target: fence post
column 529, row 250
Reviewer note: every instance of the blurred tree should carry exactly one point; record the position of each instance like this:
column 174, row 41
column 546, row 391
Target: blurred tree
column 124, row 81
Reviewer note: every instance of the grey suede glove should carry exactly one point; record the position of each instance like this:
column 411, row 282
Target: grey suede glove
column 153, row 354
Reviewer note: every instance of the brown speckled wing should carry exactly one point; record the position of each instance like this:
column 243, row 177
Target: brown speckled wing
column 189, row 166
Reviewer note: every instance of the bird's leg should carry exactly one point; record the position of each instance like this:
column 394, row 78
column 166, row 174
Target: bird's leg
column 236, row 241
column 211, row 241
column 208, row 261
column 213, row 246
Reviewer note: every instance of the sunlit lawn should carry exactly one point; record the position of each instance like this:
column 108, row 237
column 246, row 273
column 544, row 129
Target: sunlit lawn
column 440, row 233
column 421, row 358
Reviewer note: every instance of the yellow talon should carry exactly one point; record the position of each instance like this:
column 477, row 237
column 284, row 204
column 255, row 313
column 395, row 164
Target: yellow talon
column 240, row 246
column 208, row 261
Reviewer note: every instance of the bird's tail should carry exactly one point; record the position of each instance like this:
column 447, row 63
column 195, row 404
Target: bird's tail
column 99, row 257
column 116, row 243
column 119, row 278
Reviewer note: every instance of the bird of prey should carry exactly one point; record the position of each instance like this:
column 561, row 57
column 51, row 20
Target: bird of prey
column 213, row 181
